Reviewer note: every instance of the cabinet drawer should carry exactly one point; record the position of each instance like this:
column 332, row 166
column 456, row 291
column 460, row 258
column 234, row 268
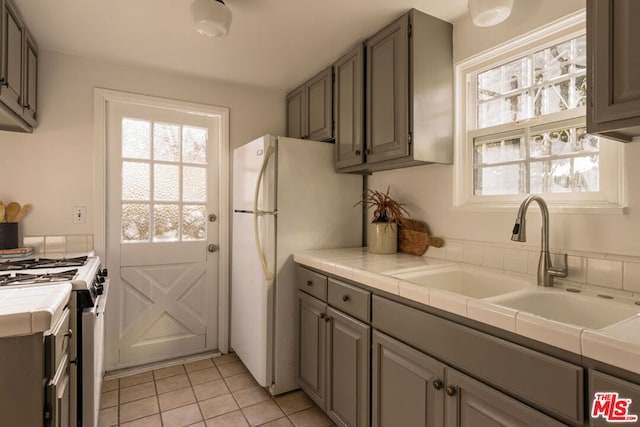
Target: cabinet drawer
column 349, row 299
column 312, row 283
column 542, row 381
column 57, row 344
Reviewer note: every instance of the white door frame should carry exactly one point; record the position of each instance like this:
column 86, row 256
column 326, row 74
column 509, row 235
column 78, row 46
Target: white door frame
column 101, row 97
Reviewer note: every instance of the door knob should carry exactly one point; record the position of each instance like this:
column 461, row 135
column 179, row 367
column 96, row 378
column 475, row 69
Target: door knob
column 212, row 248
column 212, row 217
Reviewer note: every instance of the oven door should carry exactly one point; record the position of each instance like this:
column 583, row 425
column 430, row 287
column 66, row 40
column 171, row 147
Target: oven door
column 58, row 396
column 93, row 358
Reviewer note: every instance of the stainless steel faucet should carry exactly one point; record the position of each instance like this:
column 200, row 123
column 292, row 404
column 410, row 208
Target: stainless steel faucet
column 546, row 272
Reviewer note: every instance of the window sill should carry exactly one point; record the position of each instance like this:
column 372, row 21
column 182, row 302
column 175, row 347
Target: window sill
column 556, row 208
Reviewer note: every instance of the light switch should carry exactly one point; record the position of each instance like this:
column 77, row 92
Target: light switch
column 79, row 214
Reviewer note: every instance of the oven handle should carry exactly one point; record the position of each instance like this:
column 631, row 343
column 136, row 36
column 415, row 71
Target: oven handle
column 101, row 300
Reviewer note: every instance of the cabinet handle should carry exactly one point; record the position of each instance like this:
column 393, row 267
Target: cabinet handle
column 3, row 82
column 437, row 384
column 28, row 107
column 345, row 298
column 327, row 318
column 309, row 283
column 368, row 151
column 451, row 390
column 322, row 315
column 358, row 152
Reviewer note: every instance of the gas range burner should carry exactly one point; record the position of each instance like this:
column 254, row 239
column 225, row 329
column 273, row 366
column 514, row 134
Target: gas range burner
column 34, row 279
column 33, row 263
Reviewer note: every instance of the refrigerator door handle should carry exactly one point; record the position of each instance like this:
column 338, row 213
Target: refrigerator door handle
column 268, row 275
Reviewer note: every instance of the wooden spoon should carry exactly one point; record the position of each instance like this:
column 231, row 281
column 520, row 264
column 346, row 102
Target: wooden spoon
column 12, row 210
column 22, row 213
column 1, row 212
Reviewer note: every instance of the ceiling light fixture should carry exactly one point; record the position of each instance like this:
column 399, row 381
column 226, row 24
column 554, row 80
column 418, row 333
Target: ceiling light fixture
column 485, row 13
column 211, row 17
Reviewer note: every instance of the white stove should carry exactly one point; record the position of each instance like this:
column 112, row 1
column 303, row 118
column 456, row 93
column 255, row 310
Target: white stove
column 87, row 304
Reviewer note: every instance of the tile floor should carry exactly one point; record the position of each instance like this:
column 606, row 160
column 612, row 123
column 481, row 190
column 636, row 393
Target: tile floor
column 210, row 392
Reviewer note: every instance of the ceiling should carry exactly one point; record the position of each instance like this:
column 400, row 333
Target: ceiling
column 272, row 43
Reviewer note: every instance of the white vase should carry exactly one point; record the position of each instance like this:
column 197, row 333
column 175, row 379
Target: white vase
column 382, row 237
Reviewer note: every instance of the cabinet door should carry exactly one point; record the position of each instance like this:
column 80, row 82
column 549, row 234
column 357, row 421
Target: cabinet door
column 296, row 113
column 407, row 385
column 470, row 403
column 11, row 79
column 30, row 92
column 319, row 96
column 603, row 383
column 348, row 370
column 388, row 92
column 312, row 341
column 348, row 95
column 614, row 60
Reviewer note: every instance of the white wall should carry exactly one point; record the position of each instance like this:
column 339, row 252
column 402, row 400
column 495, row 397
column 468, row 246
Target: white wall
column 427, row 190
column 53, row 168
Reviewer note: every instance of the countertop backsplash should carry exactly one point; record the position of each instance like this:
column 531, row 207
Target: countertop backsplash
column 73, row 243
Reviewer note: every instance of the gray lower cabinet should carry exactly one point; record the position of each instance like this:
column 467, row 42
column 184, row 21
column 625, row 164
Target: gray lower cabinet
column 310, row 108
column 348, row 108
column 613, row 58
column 617, row 410
column 406, row 385
column 335, row 348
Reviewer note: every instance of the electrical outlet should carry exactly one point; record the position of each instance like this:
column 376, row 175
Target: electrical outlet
column 79, row 214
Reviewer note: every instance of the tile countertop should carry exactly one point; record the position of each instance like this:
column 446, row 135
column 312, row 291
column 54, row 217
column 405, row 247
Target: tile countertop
column 617, row 345
column 32, row 309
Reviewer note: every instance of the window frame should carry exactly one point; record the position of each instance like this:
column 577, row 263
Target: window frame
column 612, row 195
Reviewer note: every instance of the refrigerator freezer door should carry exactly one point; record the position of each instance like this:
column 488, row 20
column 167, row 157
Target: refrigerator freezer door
column 248, row 162
column 252, row 296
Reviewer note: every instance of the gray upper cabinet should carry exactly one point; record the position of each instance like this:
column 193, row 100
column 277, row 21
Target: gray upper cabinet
column 409, row 94
column 30, row 92
column 18, row 72
column 11, row 78
column 310, row 109
column 613, row 58
column 348, row 108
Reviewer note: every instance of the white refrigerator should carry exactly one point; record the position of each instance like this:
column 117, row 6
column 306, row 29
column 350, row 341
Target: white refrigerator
column 286, row 198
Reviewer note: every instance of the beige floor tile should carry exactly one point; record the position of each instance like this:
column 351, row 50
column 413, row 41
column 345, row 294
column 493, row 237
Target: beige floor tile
column 152, row 421
column 204, row 375
column 176, row 398
column 108, row 417
column 210, row 389
column 198, row 364
column 232, row 419
column 183, row 416
column 294, row 401
column 238, row 382
column 198, row 424
column 218, row 405
column 226, row 358
column 168, row 371
column 143, row 377
column 233, row 368
column 168, row 384
column 137, row 392
column 138, row 409
column 110, row 385
column 281, row 422
column 312, row 417
column 262, row 413
column 109, row 399
column 251, row 396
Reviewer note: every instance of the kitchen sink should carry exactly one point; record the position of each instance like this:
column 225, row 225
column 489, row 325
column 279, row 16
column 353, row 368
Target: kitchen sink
column 474, row 282
column 557, row 304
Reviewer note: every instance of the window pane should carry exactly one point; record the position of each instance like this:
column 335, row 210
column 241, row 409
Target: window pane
column 165, row 223
column 504, row 110
column 578, row 174
column 194, row 145
column 586, row 175
column 194, row 184
column 136, row 139
column 135, row 181
column 166, row 142
column 504, row 79
column 509, row 179
column 135, row 222
column 166, row 184
column 499, row 151
column 193, row 223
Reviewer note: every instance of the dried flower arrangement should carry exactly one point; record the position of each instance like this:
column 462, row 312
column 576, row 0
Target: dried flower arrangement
column 385, row 208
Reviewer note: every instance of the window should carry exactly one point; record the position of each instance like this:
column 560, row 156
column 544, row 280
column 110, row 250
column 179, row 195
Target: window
column 522, row 126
